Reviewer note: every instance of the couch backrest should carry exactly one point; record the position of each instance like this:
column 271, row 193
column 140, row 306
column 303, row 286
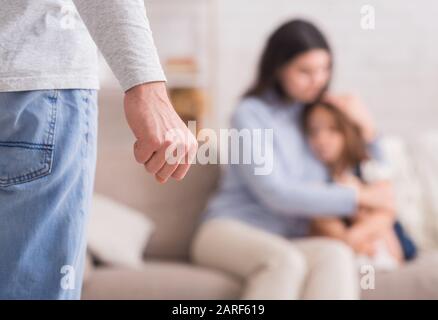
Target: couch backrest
column 174, row 207
column 414, row 166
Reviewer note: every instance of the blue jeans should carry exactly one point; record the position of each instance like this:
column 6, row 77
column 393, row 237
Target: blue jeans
column 47, row 165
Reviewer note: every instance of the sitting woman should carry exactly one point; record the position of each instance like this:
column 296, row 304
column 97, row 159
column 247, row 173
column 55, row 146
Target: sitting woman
column 374, row 234
column 255, row 225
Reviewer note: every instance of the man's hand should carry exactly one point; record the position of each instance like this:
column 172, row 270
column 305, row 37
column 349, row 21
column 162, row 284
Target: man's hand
column 164, row 144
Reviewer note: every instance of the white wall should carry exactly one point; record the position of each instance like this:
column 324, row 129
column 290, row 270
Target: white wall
column 394, row 67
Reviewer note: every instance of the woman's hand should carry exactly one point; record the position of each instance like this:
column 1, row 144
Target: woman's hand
column 354, row 109
column 378, row 195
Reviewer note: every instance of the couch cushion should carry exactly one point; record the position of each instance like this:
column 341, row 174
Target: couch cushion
column 408, row 189
column 425, row 155
column 160, row 280
column 117, row 234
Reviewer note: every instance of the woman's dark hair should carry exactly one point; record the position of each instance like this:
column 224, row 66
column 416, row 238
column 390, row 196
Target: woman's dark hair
column 355, row 150
column 286, row 43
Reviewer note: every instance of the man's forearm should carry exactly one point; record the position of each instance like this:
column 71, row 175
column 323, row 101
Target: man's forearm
column 122, row 33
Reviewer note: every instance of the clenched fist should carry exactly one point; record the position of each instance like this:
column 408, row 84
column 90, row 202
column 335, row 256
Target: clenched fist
column 164, row 144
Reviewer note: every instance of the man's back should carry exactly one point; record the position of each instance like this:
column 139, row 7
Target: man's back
column 48, row 136
column 44, row 44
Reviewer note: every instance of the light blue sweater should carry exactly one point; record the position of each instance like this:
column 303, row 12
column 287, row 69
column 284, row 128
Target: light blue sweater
column 298, row 187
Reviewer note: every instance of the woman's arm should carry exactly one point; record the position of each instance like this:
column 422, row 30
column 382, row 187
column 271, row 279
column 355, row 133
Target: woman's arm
column 375, row 150
column 378, row 195
column 353, row 107
column 274, row 189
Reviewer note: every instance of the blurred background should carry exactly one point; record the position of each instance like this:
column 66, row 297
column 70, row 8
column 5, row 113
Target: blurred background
column 209, row 49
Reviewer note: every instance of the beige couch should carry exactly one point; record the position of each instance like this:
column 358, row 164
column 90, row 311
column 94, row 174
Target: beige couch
column 175, row 208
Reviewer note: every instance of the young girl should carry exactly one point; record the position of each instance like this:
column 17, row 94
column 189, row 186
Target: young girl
column 375, row 235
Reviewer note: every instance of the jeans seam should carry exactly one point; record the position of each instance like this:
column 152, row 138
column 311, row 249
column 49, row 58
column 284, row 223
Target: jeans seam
column 14, row 144
column 86, row 180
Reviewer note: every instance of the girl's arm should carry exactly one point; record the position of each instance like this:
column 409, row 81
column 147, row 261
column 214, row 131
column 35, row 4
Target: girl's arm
column 329, row 227
column 336, row 229
column 369, row 225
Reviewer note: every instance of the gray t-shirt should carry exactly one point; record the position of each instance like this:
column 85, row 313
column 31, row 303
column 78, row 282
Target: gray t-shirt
column 48, row 44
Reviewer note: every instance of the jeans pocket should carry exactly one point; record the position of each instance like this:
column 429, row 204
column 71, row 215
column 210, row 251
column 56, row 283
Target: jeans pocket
column 27, row 135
